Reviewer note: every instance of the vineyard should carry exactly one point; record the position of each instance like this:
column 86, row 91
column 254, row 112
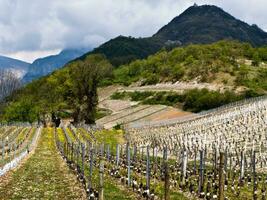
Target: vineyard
column 16, row 142
column 217, row 154
column 160, row 102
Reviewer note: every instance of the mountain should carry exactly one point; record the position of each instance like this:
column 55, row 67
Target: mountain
column 46, row 65
column 17, row 66
column 196, row 25
column 208, row 24
column 121, row 50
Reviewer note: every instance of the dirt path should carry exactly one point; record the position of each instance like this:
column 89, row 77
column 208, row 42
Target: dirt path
column 43, row 176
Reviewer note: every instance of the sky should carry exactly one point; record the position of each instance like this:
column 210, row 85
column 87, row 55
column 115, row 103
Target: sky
column 31, row 29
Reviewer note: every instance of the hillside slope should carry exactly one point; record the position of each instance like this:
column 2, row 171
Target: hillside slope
column 227, row 63
column 122, row 49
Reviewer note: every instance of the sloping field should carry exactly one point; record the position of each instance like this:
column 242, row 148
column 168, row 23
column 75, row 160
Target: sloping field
column 169, row 113
column 116, row 105
column 121, row 114
column 105, row 92
column 130, row 115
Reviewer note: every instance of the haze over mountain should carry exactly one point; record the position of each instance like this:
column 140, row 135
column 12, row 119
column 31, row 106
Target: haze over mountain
column 196, row 25
column 17, row 66
column 46, row 65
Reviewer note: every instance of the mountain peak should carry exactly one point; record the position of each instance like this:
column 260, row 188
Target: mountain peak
column 205, row 10
column 207, row 24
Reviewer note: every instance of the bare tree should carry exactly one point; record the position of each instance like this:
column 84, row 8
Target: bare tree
column 9, row 82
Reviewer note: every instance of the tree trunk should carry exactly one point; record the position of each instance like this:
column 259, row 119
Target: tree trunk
column 77, row 116
column 91, row 102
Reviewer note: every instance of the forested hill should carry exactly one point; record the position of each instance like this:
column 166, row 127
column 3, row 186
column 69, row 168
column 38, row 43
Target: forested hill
column 123, row 50
column 196, row 25
column 229, row 63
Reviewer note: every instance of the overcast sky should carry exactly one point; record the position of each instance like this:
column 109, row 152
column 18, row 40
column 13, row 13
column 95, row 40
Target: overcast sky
column 35, row 28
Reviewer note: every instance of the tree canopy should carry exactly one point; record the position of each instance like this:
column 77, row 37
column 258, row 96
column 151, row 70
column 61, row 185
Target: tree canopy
column 71, row 88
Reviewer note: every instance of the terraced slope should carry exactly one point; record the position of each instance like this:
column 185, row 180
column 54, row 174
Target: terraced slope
column 43, row 176
column 130, row 115
column 121, row 114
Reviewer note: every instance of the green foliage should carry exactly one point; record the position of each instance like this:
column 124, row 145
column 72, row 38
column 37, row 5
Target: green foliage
column 198, row 100
column 151, row 79
column 206, row 63
column 85, row 77
column 21, row 111
column 64, row 114
column 102, row 113
column 118, row 95
column 251, row 93
column 123, row 50
column 256, row 59
column 70, row 88
column 192, row 100
column 117, row 127
column 255, row 80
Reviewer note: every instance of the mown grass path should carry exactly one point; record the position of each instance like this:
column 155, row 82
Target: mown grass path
column 43, row 176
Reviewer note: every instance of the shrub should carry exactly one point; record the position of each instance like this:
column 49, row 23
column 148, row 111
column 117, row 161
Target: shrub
column 119, row 95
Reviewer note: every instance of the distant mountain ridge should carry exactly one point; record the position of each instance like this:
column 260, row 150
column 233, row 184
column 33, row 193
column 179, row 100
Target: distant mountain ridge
column 17, row 66
column 196, row 25
column 46, row 65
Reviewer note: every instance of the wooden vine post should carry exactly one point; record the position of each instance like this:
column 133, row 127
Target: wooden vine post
column 117, row 155
column 3, row 150
column 242, row 167
column 254, row 175
column 184, row 166
column 201, row 173
column 101, row 180
column 78, row 154
column 221, row 177
column 129, row 164
column 195, row 161
column 83, row 158
column 166, row 176
column 147, row 169
column 91, row 160
column 71, row 155
column 108, row 153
